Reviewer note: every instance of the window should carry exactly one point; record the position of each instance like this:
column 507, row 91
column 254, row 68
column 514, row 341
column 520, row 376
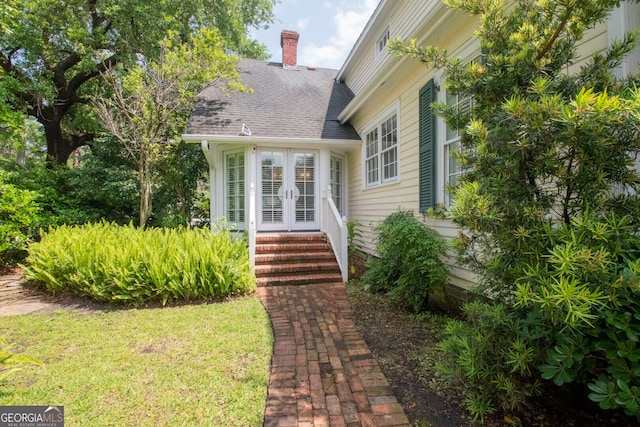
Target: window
column 623, row 20
column 452, row 143
column 234, row 177
column 372, row 157
column 381, row 45
column 381, row 152
column 450, row 139
column 336, row 180
column 438, row 167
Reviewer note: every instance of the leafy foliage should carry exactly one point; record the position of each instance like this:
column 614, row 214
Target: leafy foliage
column 489, row 356
column 178, row 193
column 409, row 260
column 10, row 363
column 51, row 73
column 71, row 196
column 124, row 264
column 18, row 218
column 147, row 108
column 550, row 198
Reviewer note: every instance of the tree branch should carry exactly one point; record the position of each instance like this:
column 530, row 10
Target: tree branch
column 556, row 34
column 80, row 78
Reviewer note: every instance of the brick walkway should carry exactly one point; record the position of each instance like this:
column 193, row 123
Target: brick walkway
column 322, row 372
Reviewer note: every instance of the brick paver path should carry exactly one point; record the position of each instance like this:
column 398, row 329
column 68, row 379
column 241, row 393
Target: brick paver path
column 322, row 372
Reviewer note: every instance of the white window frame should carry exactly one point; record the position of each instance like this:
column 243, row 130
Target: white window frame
column 624, row 19
column 451, row 143
column 448, row 140
column 381, row 42
column 337, row 188
column 375, row 150
column 241, row 225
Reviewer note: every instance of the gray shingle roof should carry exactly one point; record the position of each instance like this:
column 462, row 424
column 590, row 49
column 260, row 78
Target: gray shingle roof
column 301, row 103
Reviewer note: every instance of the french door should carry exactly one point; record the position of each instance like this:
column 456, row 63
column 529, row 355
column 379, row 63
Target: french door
column 288, row 190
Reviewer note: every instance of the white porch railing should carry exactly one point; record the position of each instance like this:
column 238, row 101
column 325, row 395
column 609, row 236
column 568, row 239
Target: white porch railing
column 252, row 225
column 336, row 230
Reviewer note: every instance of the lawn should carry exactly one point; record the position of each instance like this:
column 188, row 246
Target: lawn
column 188, row 365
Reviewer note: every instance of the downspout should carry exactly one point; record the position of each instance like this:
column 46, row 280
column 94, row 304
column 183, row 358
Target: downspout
column 252, row 209
column 212, row 179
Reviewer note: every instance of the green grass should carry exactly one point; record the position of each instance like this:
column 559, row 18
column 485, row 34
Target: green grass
column 189, row 365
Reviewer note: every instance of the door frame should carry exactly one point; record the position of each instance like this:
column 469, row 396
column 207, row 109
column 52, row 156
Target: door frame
column 288, row 189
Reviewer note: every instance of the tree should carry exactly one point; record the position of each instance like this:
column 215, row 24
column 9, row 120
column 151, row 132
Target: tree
column 548, row 207
column 150, row 105
column 180, row 174
column 51, row 53
column 11, row 121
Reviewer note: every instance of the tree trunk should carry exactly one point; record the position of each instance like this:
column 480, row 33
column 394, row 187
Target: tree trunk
column 59, row 148
column 146, row 193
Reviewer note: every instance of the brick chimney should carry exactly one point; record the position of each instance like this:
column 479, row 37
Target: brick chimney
column 289, row 44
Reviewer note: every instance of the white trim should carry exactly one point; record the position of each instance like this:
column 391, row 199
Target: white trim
column 356, row 47
column 384, row 36
column 271, row 141
column 375, row 123
column 467, row 52
column 433, row 17
column 225, row 185
column 624, row 19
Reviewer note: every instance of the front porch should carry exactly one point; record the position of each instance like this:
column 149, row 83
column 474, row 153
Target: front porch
column 269, row 189
column 301, row 257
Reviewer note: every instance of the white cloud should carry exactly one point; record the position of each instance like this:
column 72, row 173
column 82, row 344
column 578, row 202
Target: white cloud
column 302, row 24
column 329, row 56
column 349, row 20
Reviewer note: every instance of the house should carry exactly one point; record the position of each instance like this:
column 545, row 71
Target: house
column 365, row 133
column 274, row 151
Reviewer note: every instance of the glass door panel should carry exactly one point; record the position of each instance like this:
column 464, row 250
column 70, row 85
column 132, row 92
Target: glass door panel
column 288, row 190
column 305, row 188
column 271, row 188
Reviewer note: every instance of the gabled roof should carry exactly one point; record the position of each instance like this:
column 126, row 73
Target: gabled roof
column 300, row 103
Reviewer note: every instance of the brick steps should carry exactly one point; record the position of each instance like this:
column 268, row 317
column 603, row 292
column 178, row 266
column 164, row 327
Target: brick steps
column 295, row 259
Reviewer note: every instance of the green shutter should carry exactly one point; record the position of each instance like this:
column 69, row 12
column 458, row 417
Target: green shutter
column 427, row 143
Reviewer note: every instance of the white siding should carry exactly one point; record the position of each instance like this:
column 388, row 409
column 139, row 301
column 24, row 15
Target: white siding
column 379, row 82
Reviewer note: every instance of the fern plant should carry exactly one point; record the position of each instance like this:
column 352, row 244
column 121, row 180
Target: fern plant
column 9, row 364
column 126, row 264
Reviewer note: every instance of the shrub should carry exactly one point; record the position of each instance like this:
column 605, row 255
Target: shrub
column 487, row 354
column 409, row 261
column 18, row 221
column 125, row 264
column 582, row 299
column 548, row 202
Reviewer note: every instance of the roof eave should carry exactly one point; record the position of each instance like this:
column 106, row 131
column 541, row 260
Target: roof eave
column 263, row 140
column 438, row 13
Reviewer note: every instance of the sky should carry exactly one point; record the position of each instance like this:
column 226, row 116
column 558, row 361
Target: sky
column 328, row 29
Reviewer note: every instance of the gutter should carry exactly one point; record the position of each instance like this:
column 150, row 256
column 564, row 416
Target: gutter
column 356, row 47
column 230, row 139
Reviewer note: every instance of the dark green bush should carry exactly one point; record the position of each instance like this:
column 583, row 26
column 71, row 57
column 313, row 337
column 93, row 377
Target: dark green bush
column 488, row 355
column 409, row 260
column 112, row 263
